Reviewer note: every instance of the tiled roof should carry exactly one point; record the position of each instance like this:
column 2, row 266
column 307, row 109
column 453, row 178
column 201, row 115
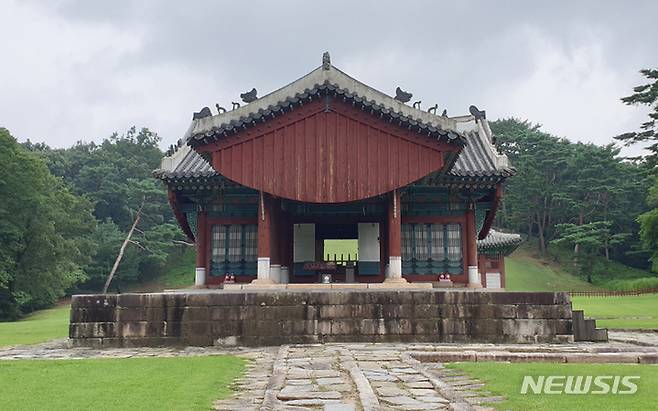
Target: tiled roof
column 187, row 166
column 319, row 82
column 479, row 159
column 496, row 239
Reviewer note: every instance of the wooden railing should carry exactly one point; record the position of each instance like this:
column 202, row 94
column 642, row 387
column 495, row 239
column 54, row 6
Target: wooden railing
column 611, row 293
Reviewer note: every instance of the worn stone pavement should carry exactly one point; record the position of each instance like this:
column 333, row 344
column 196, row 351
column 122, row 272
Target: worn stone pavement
column 362, row 376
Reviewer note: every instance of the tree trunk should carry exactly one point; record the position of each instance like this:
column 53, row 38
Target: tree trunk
column 123, row 249
column 540, row 230
column 581, row 221
column 529, row 229
column 542, row 243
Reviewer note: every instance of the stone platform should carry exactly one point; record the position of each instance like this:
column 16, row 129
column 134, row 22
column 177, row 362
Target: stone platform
column 274, row 317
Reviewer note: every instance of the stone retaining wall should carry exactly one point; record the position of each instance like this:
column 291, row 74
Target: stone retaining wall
column 285, row 317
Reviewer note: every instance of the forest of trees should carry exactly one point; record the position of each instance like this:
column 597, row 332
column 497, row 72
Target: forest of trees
column 583, row 197
column 560, row 185
column 65, row 212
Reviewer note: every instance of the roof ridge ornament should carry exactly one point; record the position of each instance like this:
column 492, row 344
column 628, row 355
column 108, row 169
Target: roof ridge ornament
column 402, row 96
column 478, row 114
column 326, row 61
column 205, row 112
column 249, row 96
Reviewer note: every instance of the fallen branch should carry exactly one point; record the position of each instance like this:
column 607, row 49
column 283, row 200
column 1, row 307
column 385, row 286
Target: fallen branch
column 123, row 248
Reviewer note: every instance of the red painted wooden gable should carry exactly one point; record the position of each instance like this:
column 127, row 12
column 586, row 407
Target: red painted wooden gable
column 322, row 153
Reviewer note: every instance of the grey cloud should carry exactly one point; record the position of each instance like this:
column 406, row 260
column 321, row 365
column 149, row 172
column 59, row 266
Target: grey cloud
column 563, row 64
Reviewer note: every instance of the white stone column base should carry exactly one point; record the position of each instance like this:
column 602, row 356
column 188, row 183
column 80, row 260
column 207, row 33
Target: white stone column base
column 200, row 277
column 275, row 273
column 394, row 273
column 474, row 277
column 263, row 274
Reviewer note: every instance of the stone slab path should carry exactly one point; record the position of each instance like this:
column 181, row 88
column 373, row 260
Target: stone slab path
column 364, row 377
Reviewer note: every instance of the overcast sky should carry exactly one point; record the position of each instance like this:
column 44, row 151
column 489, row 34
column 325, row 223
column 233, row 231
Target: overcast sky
column 79, row 70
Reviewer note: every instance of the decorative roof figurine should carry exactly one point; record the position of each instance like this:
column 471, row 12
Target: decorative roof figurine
column 205, row 112
column 326, row 61
column 249, row 96
column 478, row 114
column 402, row 96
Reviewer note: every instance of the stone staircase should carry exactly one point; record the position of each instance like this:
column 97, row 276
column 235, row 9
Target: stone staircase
column 584, row 329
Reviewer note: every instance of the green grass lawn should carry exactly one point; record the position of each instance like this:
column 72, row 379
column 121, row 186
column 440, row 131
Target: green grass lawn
column 183, row 383
column 178, row 273
column 635, row 311
column 505, row 379
column 180, row 269
column 41, row 326
column 525, row 273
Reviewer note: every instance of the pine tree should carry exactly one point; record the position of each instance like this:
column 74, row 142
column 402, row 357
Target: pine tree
column 646, row 94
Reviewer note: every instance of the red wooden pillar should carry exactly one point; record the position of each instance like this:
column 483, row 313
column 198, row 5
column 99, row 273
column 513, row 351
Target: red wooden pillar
column 264, row 238
column 201, row 248
column 394, row 239
column 472, row 249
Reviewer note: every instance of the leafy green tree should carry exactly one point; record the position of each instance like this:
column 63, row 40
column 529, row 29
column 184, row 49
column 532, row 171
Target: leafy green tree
column 45, row 232
column 536, row 195
column 649, row 225
column 592, row 238
column 645, row 94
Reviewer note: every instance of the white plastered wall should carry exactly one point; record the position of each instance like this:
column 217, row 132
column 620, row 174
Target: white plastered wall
column 368, row 242
column 303, row 243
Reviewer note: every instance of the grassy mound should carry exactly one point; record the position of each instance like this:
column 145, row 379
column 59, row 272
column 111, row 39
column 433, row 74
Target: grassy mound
column 527, row 271
column 523, row 272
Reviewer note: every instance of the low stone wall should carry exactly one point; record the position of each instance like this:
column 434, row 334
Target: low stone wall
column 284, row 317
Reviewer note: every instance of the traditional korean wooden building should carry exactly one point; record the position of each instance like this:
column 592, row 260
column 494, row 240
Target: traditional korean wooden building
column 260, row 187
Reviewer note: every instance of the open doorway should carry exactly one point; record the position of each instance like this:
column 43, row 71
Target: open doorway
column 349, row 252
column 337, row 242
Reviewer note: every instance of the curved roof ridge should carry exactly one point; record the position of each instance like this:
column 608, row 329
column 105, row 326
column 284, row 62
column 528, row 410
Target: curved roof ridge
column 302, row 87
